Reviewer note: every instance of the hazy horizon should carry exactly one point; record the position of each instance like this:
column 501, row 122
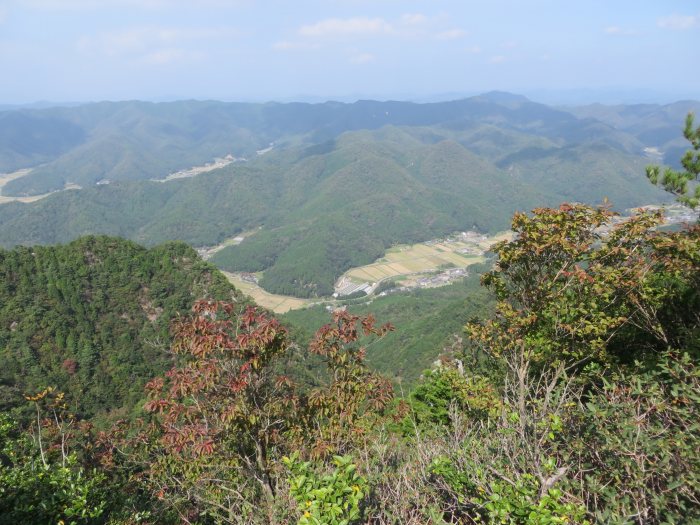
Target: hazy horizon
column 562, row 98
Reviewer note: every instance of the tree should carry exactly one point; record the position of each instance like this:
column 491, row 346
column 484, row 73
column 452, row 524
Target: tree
column 574, row 287
column 594, row 325
column 344, row 411
column 219, row 417
column 676, row 182
column 223, row 419
column 41, row 479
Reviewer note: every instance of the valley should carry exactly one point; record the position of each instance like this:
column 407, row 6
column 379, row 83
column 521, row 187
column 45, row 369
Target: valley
column 405, row 268
column 316, row 263
column 207, row 252
column 280, row 304
column 8, row 177
column 339, row 187
column 438, row 262
column 432, row 263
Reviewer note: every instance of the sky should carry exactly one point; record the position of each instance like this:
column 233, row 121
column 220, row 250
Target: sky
column 89, row 50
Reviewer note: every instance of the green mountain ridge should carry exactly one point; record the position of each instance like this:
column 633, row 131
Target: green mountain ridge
column 92, row 318
column 139, row 140
column 326, row 210
column 342, row 183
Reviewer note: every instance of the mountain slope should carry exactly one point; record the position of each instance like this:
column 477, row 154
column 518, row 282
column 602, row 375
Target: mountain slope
column 653, row 125
column 342, row 183
column 91, row 318
column 341, row 203
column 365, row 196
column 139, row 140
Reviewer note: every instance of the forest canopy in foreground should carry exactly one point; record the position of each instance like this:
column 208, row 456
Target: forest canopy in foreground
column 93, row 316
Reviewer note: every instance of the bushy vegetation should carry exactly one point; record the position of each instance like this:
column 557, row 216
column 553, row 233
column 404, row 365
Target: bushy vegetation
column 575, row 402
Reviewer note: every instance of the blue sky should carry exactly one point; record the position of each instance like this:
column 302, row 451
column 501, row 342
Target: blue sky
column 83, row 50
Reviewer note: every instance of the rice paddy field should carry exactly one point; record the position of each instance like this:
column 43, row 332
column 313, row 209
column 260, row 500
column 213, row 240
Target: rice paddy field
column 277, row 303
column 403, row 262
column 421, row 258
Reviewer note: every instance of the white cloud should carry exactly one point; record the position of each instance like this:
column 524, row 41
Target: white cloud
column 474, row 50
column 154, row 45
column 451, row 34
column 497, row 59
column 143, row 38
column 3, row 14
column 288, row 45
column 619, row 31
column 78, row 5
column 362, row 58
column 408, row 25
column 163, row 57
column 346, row 26
column 413, row 19
column 677, row 22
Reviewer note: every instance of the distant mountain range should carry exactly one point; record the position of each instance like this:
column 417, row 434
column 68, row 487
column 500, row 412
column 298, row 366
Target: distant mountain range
column 341, row 183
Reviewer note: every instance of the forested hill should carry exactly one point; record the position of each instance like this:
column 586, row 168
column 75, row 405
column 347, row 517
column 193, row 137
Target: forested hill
column 339, row 185
column 140, row 140
column 326, row 208
column 91, row 318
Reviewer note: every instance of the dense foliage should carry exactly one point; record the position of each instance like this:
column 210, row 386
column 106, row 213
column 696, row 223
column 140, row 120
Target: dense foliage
column 92, row 317
column 41, row 487
column 223, row 421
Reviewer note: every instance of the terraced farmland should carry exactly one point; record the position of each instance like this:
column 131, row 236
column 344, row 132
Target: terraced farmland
column 459, row 252
column 411, row 265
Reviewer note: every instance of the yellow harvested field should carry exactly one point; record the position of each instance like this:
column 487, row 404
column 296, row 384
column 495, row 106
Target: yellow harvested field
column 398, row 268
column 419, row 258
column 361, row 275
column 277, row 303
column 457, row 259
column 502, row 236
column 400, row 262
column 7, row 177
